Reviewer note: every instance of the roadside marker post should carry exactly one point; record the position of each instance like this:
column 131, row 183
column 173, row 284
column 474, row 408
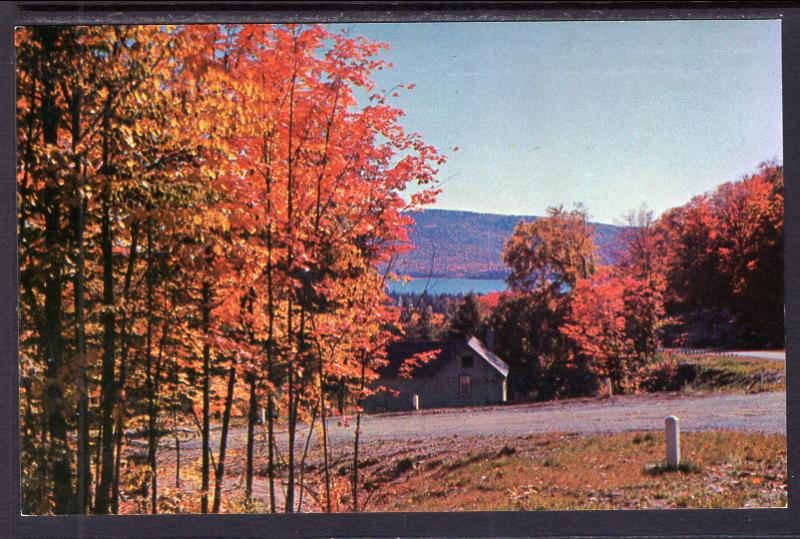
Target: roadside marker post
column 673, row 439
column 415, row 402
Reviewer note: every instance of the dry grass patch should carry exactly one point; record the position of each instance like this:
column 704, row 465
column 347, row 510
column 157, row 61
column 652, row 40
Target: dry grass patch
column 745, row 373
column 570, row 471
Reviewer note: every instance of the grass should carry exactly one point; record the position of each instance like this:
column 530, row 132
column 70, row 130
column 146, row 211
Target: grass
column 750, row 374
column 662, row 467
column 717, row 372
column 723, row 469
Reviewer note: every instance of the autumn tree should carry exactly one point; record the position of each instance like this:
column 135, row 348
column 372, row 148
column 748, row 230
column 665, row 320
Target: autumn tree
column 547, row 257
column 194, row 261
column 724, row 254
column 612, row 320
column 550, row 254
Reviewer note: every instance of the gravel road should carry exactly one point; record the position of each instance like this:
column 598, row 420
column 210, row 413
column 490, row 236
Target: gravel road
column 764, row 412
column 774, row 355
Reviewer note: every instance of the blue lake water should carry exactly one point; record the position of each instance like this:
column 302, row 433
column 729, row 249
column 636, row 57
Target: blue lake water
column 438, row 285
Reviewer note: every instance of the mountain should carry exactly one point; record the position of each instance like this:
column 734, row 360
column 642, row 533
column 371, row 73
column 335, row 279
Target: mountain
column 462, row 244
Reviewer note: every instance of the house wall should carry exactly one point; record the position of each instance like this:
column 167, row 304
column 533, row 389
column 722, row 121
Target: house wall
column 443, row 390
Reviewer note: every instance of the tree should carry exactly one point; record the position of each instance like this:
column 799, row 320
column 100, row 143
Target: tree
column 749, row 224
column 550, row 253
column 724, row 254
column 612, row 321
column 467, row 319
column 173, row 247
column 547, row 258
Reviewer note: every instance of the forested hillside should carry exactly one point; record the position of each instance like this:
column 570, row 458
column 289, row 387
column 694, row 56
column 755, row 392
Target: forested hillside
column 451, row 243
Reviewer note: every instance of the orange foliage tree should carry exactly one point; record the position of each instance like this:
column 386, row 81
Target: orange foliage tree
column 200, row 206
column 724, row 263
column 612, row 322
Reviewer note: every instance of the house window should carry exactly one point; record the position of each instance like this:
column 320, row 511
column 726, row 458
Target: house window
column 466, row 362
column 465, row 385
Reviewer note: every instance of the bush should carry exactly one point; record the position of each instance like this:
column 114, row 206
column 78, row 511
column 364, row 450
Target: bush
column 662, row 467
column 667, row 373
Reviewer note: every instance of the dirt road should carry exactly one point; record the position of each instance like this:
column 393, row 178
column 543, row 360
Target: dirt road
column 773, row 355
column 762, row 412
column 765, row 412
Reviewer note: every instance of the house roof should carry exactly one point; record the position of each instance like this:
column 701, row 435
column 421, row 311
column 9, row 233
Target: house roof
column 488, row 355
column 399, row 351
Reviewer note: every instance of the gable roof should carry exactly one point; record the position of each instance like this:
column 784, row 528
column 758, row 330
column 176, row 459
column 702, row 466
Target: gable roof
column 488, row 355
column 399, row 351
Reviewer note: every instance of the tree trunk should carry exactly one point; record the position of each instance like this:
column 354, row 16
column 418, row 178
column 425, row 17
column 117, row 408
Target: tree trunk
column 154, row 409
column 271, row 453
column 123, row 368
column 79, row 212
column 219, row 476
column 325, row 460
column 291, row 428
column 289, row 505
column 356, row 439
column 252, row 381
column 205, row 470
column 177, row 451
column 252, row 414
column 53, row 398
column 103, row 495
column 303, row 461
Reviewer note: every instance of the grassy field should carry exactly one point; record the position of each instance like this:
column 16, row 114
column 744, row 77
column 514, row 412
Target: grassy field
column 717, row 372
column 724, row 469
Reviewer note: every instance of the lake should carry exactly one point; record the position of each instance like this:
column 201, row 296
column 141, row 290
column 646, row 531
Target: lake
column 446, row 285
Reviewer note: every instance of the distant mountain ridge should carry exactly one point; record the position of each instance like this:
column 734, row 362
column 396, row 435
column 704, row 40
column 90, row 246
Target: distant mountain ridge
column 463, row 244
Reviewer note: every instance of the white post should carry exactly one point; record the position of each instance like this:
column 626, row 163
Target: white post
column 673, row 437
column 609, row 388
column 415, row 402
column 263, row 416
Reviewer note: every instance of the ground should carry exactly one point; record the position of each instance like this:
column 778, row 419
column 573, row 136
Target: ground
column 579, row 454
column 579, row 471
column 737, row 440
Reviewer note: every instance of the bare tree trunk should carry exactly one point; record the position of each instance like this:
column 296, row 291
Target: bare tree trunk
column 98, row 447
column 103, row 495
column 205, row 308
column 153, row 411
column 271, row 452
column 252, row 381
column 303, row 461
column 292, row 429
column 79, row 213
column 292, row 424
column 219, row 476
column 252, row 414
column 356, row 438
column 325, row 455
column 123, row 368
column 177, row 450
column 53, row 398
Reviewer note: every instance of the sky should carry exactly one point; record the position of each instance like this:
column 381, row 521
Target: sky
column 614, row 115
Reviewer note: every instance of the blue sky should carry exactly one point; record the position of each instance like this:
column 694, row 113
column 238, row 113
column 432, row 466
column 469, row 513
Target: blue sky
column 610, row 114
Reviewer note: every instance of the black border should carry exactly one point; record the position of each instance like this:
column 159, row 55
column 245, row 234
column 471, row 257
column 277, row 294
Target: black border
column 619, row 523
